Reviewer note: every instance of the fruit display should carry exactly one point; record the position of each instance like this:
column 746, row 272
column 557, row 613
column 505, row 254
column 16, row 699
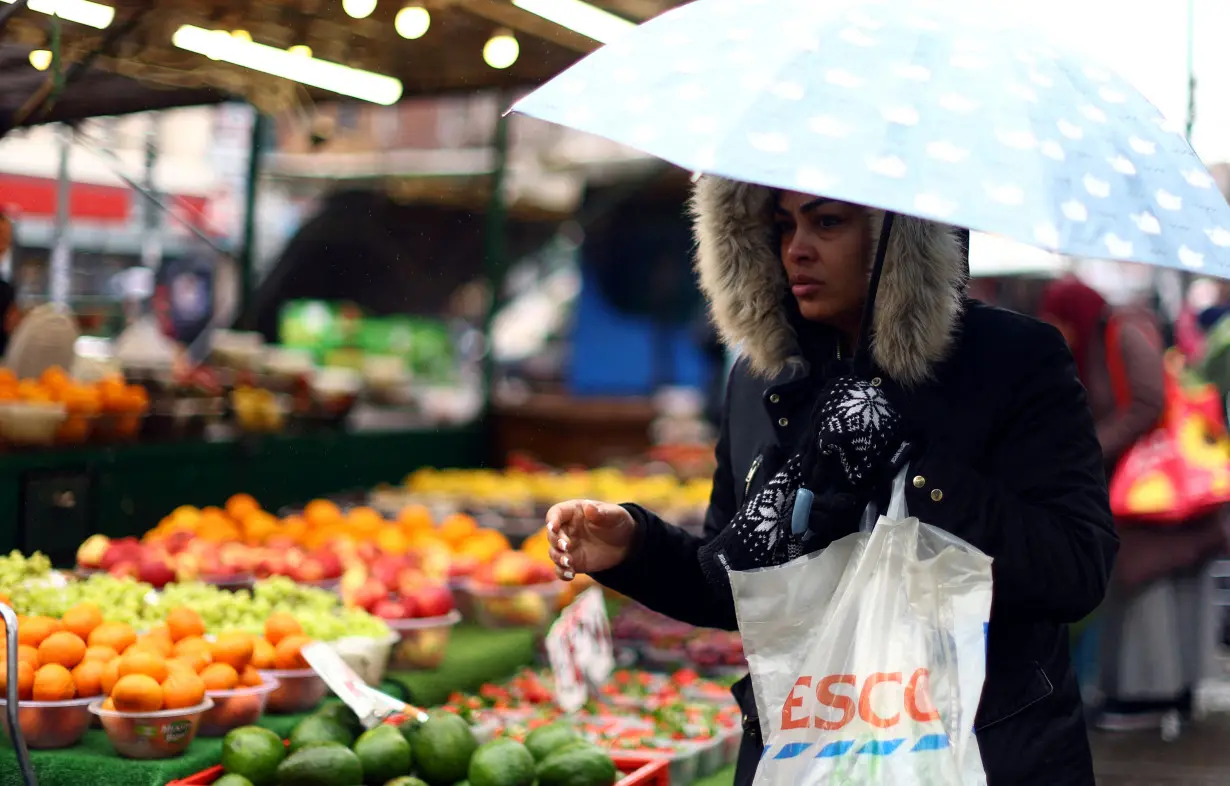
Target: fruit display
column 515, row 590
column 664, row 642
column 57, row 409
column 637, row 711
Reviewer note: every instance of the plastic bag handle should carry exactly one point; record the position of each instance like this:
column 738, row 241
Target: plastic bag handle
column 897, row 509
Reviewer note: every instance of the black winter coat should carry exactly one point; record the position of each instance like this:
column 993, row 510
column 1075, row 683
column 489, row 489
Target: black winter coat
column 1008, row 460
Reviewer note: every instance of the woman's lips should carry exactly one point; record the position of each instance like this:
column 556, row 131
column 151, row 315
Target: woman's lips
column 805, row 290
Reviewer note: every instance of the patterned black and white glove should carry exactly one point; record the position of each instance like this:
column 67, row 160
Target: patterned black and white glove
column 758, row 536
column 858, row 426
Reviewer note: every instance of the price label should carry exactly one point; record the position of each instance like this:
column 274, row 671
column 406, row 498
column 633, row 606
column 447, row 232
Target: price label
column 580, row 649
column 348, row 685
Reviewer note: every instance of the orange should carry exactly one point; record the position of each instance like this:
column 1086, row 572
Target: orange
column 62, row 647
column 119, row 636
column 100, row 653
column 415, row 517
column 28, row 654
column 141, row 661
column 281, row 624
column 391, row 540
column 108, row 705
column 25, row 680
column 154, row 642
column 110, row 675
column 259, row 527
column 233, row 649
column 182, row 689
column 457, row 528
column 250, row 678
column 53, row 682
column 321, row 513
column 179, row 665
column 82, row 619
column 137, row 693
column 294, row 527
column 191, row 644
column 220, row 676
column 88, row 678
column 32, row 630
column 197, row 659
column 288, row 654
column 240, row 506
column 262, row 654
column 364, row 521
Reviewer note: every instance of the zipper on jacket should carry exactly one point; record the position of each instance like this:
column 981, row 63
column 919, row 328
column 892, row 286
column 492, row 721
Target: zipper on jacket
column 751, row 474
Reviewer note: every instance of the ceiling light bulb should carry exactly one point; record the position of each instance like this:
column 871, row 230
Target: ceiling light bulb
column 501, row 50
column 302, row 50
column 412, row 22
column 242, row 35
column 40, row 59
column 359, row 9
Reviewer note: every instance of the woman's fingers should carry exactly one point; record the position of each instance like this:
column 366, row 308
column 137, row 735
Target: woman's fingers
column 564, row 564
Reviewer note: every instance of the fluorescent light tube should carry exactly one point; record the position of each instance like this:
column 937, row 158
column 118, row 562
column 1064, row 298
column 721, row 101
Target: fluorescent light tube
column 83, row 12
column 579, row 17
column 341, row 79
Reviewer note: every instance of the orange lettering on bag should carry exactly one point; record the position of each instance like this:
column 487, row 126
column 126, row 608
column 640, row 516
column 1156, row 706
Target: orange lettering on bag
column 864, row 700
column 917, row 698
column 840, row 702
column 794, row 702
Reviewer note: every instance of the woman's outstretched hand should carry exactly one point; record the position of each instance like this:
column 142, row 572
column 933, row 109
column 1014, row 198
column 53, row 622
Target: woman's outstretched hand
column 588, row 536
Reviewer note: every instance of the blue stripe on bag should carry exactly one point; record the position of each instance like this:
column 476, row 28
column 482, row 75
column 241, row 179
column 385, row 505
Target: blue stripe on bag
column 880, row 747
column 835, row 749
column 792, row 749
column 932, row 742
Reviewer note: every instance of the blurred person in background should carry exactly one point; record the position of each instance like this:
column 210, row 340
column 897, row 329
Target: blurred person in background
column 1151, row 621
column 984, row 404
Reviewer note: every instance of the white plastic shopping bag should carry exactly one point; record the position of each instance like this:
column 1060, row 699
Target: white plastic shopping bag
column 868, row 657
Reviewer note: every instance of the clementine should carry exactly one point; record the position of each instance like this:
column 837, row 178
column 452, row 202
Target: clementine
column 25, row 680
column 233, row 649
column 240, row 506
column 137, row 693
column 250, row 678
column 182, row 689
column 28, row 654
column 281, row 624
column 32, row 630
column 220, row 676
column 262, row 654
column 142, row 661
column 62, row 647
column 191, row 644
column 288, row 654
column 82, row 619
column 100, row 653
column 88, row 678
column 110, row 675
column 119, row 636
column 53, row 682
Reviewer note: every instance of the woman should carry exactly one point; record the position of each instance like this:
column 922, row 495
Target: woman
column 1004, row 450
column 1153, row 631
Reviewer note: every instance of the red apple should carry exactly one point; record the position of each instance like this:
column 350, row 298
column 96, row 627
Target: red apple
column 463, row 565
column 389, row 609
column 386, row 568
column 369, row 594
column 409, row 580
column 432, row 600
column 330, row 563
column 483, row 574
column 309, row 570
column 125, row 570
column 90, row 553
column 155, row 571
column 178, row 541
column 367, row 551
column 122, row 550
column 512, row 569
column 541, row 573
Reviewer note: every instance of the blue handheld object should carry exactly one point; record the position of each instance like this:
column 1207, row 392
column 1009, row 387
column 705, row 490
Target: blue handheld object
column 802, row 511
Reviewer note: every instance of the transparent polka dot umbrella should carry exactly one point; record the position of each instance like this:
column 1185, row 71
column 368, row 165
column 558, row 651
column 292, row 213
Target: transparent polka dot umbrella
column 945, row 109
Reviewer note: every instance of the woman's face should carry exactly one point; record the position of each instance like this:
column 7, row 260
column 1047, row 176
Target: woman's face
column 825, row 248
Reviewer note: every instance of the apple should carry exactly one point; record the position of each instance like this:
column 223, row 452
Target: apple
column 235, row 555
column 178, row 542
column 408, row 581
column 389, row 609
column 512, row 569
column 432, row 600
column 155, row 571
column 91, row 552
column 435, row 564
column 541, row 573
column 122, row 550
column 528, row 608
column 386, row 568
column 129, row 569
column 463, row 565
column 308, row 570
column 367, row 551
column 331, row 564
column 369, row 594
column 280, row 543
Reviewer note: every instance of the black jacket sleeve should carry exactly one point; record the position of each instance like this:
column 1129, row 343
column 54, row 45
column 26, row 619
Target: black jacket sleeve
column 1038, row 504
column 662, row 569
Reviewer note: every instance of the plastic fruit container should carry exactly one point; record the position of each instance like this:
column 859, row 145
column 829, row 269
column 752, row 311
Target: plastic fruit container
column 422, row 643
column 238, row 581
column 367, row 656
column 47, row 725
column 298, row 690
column 235, row 708
column 151, row 735
column 534, row 606
column 28, row 423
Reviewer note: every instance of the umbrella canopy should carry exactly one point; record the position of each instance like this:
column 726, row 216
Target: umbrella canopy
column 942, row 109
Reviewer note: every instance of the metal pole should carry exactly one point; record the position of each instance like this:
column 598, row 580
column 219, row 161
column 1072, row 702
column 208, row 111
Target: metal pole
column 61, row 248
column 1191, row 68
column 247, row 253
column 495, row 243
column 151, row 216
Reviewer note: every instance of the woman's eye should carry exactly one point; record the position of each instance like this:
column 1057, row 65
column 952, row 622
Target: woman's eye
column 784, row 228
column 828, row 222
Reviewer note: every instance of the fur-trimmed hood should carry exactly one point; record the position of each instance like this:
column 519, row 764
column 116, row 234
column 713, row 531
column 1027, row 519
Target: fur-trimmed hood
column 917, row 305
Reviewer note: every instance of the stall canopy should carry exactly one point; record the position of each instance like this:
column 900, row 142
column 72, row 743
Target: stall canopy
column 130, row 55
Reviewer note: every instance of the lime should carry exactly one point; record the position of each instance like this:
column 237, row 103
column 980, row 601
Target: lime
column 384, row 754
column 253, row 753
column 502, row 762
